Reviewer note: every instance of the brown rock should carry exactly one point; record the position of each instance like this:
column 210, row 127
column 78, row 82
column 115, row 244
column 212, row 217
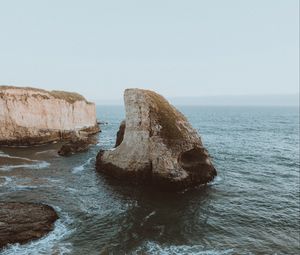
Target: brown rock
column 23, row 222
column 76, row 144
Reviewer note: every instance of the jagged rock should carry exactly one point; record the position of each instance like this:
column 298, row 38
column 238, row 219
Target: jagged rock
column 30, row 116
column 76, row 144
column 23, row 222
column 156, row 146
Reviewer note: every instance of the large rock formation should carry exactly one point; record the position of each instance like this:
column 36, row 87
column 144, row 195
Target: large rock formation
column 23, row 222
column 33, row 116
column 158, row 146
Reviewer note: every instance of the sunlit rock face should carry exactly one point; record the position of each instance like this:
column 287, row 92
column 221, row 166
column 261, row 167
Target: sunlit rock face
column 33, row 116
column 158, row 146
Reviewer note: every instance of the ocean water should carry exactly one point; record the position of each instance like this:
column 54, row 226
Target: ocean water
column 252, row 207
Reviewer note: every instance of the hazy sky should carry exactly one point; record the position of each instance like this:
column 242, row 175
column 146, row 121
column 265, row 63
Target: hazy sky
column 177, row 47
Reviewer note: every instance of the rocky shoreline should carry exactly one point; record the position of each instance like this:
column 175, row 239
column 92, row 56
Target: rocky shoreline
column 155, row 145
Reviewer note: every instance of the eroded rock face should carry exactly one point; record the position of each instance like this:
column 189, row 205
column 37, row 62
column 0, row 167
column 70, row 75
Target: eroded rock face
column 31, row 116
column 23, row 222
column 158, row 146
column 77, row 144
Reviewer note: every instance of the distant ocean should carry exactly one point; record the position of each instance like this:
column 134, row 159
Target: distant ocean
column 252, row 207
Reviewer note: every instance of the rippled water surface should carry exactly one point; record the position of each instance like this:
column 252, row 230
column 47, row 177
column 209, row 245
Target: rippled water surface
column 252, row 207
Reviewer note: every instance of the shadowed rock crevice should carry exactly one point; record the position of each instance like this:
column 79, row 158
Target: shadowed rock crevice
column 120, row 133
column 195, row 159
column 157, row 146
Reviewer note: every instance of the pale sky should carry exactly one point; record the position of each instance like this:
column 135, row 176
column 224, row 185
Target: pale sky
column 179, row 48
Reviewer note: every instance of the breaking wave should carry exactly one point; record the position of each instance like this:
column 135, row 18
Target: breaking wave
column 28, row 163
column 53, row 243
column 80, row 168
column 154, row 248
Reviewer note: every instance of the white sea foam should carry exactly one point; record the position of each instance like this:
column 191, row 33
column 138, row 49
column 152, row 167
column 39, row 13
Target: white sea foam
column 53, row 243
column 7, row 180
column 155, row 248
column 36, row 164
column 216, row 180
column 32, row 164
column 80, row 168
column 4, row 155
column 12, row 184
column 148, row 217
column 48, row 153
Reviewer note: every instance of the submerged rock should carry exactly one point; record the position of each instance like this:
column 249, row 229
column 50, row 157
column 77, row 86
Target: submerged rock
column 76, row 144
column 156, row 145
column 30, row 116
column 23, row 222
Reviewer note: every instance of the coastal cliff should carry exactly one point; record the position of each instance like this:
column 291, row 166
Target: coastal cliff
column 156, row 145
column 30, row 116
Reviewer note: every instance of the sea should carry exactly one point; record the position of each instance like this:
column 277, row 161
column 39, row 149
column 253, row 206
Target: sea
column 252, row 206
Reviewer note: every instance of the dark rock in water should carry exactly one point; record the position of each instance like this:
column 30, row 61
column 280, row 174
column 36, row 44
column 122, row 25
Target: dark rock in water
column 23, row 222
column 157, row 145
column 78, row 144
column 120, row 133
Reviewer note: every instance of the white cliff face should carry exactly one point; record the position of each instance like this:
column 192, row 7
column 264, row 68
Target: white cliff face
column 27, row 113
column 159, row 145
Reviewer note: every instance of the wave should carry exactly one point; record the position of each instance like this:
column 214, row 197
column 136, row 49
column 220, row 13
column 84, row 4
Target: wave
column 148, row 217
column 32, row 163
column 37, row 165
column 80, row 168
column 7, row 180
column 50, row 244
column 13, row 184
column 4, row 155
column 217, row 180
column 52, row 153
column 155, row 248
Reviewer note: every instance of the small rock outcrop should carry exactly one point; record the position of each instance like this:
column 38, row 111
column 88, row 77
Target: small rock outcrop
column 156, row 145
column 77, row 144
column 23, row 222
column 30, row 116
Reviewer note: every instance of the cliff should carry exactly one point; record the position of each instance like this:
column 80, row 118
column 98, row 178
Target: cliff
column 156, row 145
column 34, row 116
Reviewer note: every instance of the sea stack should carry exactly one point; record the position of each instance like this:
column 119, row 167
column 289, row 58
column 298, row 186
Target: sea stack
column 156, row 145
column 30, row 116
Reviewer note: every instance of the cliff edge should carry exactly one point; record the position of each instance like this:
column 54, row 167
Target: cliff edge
column 30, row 116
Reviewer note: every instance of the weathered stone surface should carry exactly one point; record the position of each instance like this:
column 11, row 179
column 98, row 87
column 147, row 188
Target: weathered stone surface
column 77, row 144
column 158, row 146
column 23, row 222
column 31, row 116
